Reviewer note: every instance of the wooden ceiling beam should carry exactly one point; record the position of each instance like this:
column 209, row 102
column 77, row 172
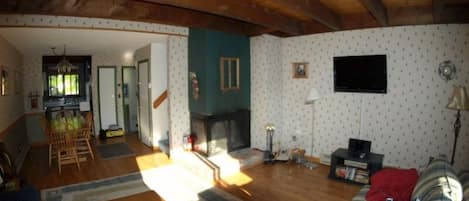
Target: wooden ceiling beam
column 240, row 10
column 410, row 15
column 378, row 10
column 358, row 21
column 417, row 15
column 314, row 27
column 304, row 10
column 134, row 11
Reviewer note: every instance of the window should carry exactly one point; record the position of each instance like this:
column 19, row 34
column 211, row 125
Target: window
column 229, row 74
column 71, row 84
column 64, row 84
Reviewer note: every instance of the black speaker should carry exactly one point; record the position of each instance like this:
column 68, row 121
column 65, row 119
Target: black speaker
column 359, row 148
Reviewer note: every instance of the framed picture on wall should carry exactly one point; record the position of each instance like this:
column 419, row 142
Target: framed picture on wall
column 4, row 81
column 300, row 70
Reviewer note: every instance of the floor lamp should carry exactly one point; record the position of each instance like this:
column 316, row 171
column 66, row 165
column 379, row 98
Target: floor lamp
column 310, row 99
column 458, row 101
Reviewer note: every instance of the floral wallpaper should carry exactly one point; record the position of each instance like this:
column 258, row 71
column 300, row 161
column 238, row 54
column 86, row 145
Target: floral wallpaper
column 86, row 22
column 265, row 88
column 408, row 125
column 178, row 90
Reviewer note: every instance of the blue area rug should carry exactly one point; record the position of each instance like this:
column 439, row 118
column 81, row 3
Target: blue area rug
column 117, row 150
column 169, row 182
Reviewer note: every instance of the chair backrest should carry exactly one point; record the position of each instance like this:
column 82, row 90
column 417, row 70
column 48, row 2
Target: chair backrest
column 64, row 139
column 45, row 125
column 89, row 120
column 88, row 125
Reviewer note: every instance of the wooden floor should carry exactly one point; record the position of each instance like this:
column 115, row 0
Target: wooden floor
column 284, row 181
column 146, row 196
column 36, row 169
column 259, row 183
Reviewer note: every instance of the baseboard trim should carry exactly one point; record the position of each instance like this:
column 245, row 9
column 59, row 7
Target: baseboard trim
column 312, row 159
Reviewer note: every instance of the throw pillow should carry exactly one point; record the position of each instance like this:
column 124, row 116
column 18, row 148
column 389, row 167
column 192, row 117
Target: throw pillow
column 438, row 182
column 392, row 183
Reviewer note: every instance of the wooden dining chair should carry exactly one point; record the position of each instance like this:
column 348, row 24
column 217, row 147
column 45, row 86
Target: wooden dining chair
column 66, row 148
column 83, row 139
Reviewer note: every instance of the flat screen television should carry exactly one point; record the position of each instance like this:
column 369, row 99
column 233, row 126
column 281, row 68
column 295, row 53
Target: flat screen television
column 360, row 74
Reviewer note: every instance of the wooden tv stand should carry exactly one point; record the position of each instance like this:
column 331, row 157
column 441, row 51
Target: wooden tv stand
column 352, row 169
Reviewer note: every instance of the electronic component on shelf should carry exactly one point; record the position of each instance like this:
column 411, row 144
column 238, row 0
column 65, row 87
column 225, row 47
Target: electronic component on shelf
column 356, row 164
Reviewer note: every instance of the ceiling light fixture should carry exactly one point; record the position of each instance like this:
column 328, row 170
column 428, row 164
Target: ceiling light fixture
column 64, row 66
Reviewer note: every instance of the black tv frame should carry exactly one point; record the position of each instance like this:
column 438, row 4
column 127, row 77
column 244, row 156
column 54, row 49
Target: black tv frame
column 359, row 90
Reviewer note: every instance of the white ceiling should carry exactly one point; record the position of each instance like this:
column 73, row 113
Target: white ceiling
column 77, row 41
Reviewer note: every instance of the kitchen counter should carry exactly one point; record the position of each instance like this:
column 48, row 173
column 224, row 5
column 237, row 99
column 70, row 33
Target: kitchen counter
column 54, row 107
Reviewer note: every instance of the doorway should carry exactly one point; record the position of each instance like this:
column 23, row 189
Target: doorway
column 107, row 96
column 144, row 108
column 129, row 98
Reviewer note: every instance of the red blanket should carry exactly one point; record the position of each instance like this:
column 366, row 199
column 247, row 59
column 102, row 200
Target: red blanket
column 392, row 183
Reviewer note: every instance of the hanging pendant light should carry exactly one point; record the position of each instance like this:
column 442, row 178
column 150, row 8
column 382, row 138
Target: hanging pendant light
column 64, row 66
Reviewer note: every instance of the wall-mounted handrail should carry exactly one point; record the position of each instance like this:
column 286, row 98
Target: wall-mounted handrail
column 157, row 102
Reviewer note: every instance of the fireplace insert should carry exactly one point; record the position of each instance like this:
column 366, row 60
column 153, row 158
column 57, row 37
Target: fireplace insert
column 224, row 132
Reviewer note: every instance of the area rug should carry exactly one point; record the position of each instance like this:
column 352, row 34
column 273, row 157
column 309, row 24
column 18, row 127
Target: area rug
column 169, row 182
column 116, row 150
column 105, row 189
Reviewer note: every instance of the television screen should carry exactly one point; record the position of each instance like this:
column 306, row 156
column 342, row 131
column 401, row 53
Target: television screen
column 360, row 74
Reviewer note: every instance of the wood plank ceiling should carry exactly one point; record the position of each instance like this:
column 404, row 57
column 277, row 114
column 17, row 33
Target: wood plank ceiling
column 254, row 17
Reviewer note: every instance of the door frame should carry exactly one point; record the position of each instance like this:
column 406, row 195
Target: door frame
column 115, row 95
column 150, row 119
column 122, row 90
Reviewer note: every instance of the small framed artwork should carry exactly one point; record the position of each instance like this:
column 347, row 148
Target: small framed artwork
column 300, row 70
column 4, row 81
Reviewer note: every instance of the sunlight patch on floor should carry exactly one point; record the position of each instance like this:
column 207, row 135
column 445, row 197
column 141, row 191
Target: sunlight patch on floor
column 149, row 161
column 227, row 164
column 174, row 183
column 238, row 179
column 179, row 182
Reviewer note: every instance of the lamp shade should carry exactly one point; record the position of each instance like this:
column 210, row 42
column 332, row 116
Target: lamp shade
column 458, row 100
column 312, row 96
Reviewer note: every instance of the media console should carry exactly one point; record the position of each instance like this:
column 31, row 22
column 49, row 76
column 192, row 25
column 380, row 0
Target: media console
column 352, row 169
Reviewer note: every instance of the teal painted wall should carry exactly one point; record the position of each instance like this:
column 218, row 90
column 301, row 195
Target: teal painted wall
column 205, row 49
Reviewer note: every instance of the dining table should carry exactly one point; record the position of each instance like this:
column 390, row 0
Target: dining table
column 66, row 131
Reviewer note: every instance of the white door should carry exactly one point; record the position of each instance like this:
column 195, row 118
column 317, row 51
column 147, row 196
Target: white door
column 144, row 107
column 107, row 96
